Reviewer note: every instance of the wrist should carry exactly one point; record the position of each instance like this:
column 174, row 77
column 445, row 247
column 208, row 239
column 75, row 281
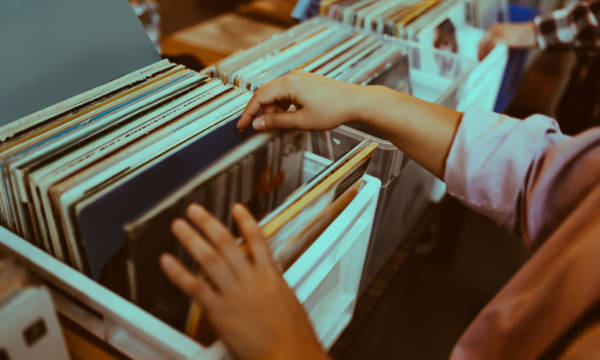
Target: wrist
column 384, row 109
column 370, row 101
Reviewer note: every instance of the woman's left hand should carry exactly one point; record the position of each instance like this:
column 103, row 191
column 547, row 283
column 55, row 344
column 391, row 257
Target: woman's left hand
column 244, row 294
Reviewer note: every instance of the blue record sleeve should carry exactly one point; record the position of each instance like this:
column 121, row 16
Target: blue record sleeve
column 101, row 221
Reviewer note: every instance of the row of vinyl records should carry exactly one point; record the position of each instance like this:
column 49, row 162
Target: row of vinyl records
column 97, row 180
column 322, row 47
column 441, row 24
column 407, row 18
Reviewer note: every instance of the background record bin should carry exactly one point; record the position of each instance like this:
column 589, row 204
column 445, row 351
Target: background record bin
column 325, row 279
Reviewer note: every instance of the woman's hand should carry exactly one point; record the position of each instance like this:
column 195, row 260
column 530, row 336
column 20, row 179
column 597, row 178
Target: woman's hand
column 515, row 36
column 244, row 295
column 422, row 130
column 321, row 103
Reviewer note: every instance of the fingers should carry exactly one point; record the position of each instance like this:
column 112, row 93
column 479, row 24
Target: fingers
column 273, row 108
column 212, row 263
column 257, row 245
column 276, row 121
column 271, row 94
column 485, row 46
column 188, row 283
column 219, row 236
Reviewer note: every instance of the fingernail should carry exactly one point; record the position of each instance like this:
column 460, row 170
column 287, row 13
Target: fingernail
column 237, row 207
column 166, row 260
column 258, row 124
column 178, row 225
column 195, row 208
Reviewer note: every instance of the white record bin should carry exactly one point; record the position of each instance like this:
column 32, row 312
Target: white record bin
column 325, row 278
column 407, row 188
column 456, row 81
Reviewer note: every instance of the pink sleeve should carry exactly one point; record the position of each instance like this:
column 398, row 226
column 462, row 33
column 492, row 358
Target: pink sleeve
column 493, row 159
column 545, row 186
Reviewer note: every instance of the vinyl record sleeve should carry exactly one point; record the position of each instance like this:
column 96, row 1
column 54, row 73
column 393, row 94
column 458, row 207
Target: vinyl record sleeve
column 43, row 140
column 81, row 101
column 78, row 132
column 17, row 144
column 141, row 153
column 150, row 234
column 225, row 68
column 286, row 228
column 47, row 166
column 100, row 219
column 89, row 153
column 106, row 150
column 322, row 59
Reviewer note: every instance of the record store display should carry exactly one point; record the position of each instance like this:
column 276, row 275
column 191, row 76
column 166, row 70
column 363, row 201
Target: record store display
column 124, row 160
column 57, row 171
column 449, row 25
column 407, row 18
column 330, row 48
column 91, row 183
column 292, row 215
column 391, row 17
column 322, row 47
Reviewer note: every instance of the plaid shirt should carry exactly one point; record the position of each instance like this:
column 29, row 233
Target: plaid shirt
column 576, row 27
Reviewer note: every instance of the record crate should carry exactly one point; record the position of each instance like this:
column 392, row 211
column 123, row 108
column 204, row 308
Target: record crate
column 325, row 279
column 451, row 80
column 407, row 188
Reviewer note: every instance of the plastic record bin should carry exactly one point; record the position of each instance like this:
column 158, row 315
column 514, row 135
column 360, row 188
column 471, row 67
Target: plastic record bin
column 325, row 278
column 407, row 188
column 461, row 82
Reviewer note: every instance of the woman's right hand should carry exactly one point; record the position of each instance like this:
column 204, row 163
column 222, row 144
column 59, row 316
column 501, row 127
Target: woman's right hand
column 422, row 130
column 320, row 103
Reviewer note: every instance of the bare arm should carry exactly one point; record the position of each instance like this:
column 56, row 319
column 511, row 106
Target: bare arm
column 243, row 294
column 422, row 130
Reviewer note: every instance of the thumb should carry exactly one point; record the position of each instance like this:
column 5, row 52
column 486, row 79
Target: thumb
column 278, row 121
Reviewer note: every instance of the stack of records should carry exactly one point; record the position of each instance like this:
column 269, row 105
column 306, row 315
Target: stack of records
column 97, row 179
column 391, row 17
column 440, row 24
column 322, row 47
column 292, row 215
column 73, row 172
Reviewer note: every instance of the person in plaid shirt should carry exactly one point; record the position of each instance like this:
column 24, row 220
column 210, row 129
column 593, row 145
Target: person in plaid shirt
column 577, row 28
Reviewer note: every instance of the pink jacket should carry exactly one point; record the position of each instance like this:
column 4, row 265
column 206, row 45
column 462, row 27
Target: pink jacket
column 544, row 186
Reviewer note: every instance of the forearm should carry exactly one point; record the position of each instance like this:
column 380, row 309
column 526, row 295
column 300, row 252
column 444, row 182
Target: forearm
column 422, row 130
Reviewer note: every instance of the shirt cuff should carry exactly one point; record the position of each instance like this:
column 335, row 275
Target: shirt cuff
column 488, row 160
column 467, row 156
